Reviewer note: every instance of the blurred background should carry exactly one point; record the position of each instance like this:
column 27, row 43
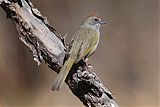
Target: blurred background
column 126, row 59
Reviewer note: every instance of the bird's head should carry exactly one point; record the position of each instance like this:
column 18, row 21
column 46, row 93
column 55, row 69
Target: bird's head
column 92, row 22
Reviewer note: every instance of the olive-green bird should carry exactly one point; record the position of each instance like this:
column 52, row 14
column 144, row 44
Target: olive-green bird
column 84, row 43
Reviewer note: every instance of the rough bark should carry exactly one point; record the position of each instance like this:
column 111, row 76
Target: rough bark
column 35, row 32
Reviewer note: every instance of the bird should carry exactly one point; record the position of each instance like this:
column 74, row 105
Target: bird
column 84, row 43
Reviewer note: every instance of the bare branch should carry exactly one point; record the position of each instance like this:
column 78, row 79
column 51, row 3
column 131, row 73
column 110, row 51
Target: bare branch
column 35, row 32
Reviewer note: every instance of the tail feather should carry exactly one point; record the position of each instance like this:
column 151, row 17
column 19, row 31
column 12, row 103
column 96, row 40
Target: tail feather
column 57, row 81
column 63, row 74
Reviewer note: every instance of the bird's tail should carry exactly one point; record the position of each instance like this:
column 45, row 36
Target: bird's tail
column 63, row 73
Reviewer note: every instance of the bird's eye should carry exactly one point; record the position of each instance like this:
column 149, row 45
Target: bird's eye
column 96, row 19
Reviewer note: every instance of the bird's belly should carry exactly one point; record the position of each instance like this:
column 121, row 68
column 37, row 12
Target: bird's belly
column 93, row 49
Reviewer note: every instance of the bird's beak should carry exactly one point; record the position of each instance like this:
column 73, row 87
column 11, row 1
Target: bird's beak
column 102, row 22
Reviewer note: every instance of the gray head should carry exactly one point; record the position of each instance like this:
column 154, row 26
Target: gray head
column 92, row 22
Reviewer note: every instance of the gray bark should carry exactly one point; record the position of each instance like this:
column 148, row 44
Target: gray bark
column 35, row 32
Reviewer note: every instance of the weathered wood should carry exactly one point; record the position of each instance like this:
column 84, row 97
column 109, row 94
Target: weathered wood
column 35, row 32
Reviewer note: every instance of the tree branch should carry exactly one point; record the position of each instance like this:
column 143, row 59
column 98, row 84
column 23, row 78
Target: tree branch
column 35, row 32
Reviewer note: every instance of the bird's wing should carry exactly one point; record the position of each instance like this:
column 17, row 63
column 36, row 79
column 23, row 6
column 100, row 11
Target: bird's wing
column 76, row 43
column 89, row 44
